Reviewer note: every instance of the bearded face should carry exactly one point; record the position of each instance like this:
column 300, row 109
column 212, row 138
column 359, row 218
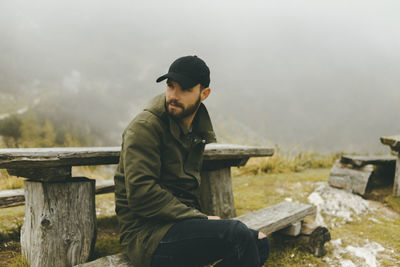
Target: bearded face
column 182, row 104
column 180, row 111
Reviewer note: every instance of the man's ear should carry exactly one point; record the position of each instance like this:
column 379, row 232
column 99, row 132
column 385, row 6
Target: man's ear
column 205, row 93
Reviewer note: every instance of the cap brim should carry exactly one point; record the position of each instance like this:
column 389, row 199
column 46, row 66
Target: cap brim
column 183, row 81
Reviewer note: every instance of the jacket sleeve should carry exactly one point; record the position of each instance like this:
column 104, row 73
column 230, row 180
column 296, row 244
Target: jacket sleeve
column 142, row 166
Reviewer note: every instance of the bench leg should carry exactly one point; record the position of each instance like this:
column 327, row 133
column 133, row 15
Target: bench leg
column 396, row 184
column 216, row 195
column 313, row 237
column 60, row 222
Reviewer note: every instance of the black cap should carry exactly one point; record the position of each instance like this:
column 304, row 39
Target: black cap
column 188, row 71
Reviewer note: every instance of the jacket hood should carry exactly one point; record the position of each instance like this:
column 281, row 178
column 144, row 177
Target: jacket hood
column 202, row 125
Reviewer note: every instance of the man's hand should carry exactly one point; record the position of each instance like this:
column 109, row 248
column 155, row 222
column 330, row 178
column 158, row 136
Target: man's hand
column 213, row 217
column 261, row 235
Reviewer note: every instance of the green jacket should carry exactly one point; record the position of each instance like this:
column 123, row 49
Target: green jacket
column 158, row 177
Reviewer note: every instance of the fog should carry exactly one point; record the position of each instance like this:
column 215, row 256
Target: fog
column 321, row 75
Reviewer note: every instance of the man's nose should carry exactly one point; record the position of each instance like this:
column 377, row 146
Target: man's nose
column 174, row 94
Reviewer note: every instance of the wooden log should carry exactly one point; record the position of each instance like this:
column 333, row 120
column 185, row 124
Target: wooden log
column 216, row 197
column 53, row 174
column 353, row 180
column 60, row 223
column 277, row 217
column 12, row 198
column 314, row 237
column 361, row 161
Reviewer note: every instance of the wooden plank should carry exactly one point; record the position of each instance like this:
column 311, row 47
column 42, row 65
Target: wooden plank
column 12, row 198
column 353, row 180
column 82, row 156
column 229, row 151
column 15, row 197
column 267, row 220
column 104, row 187
column 277, row 217
column 53, row 174
column 361, row 161
column 392, row 141
column 55, row 157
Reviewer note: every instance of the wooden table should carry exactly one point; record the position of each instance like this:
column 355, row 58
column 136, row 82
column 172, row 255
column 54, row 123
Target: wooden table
column 394, row 143
column 60, row 220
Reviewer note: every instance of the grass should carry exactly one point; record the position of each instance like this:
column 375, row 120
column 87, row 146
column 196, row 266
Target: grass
column 107, row 242
column 288, row 162
column 256, row 192
column 10, row 182
column 393, row 202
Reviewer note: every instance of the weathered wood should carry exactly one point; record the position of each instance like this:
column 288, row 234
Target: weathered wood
column 216, row 197
column 392, row 141
column 277, row 217
column 15, row 197
column 82, row 156
column 12, row 198
column 292, row 230
column 53, row 174
column 267, row 220
column 210, row 165
column 116, row 260
column 56, row 156
column 396, row 184
column 229, row 151
column 104, row 187
column 314, row 237
column 361, row 161
column 353, row 180
column 60, row 223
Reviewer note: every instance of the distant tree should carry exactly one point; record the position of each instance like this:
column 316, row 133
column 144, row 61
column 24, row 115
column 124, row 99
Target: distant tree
column 10, row 129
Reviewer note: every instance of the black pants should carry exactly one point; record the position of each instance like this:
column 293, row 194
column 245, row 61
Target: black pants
column 198, row 242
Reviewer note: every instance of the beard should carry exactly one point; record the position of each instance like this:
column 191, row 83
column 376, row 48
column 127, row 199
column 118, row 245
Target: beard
column 184, row 112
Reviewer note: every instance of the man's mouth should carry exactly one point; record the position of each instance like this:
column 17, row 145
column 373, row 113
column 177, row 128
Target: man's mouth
column 174, row 105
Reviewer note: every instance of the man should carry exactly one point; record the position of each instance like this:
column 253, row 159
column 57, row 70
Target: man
column 158, row 177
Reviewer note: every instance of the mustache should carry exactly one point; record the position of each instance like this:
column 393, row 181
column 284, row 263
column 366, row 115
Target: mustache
column 175, row 103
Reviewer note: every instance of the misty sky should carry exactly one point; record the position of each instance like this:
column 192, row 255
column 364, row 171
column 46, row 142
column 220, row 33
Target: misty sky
column 316, row 74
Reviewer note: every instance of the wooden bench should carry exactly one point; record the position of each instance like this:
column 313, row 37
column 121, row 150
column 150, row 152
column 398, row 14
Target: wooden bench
column 60, row 220
column 16, row 197
column 354, row 173
column 394, row 143
column 285, row 217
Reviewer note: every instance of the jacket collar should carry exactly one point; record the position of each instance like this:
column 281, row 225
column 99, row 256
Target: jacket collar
column 201, row 125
